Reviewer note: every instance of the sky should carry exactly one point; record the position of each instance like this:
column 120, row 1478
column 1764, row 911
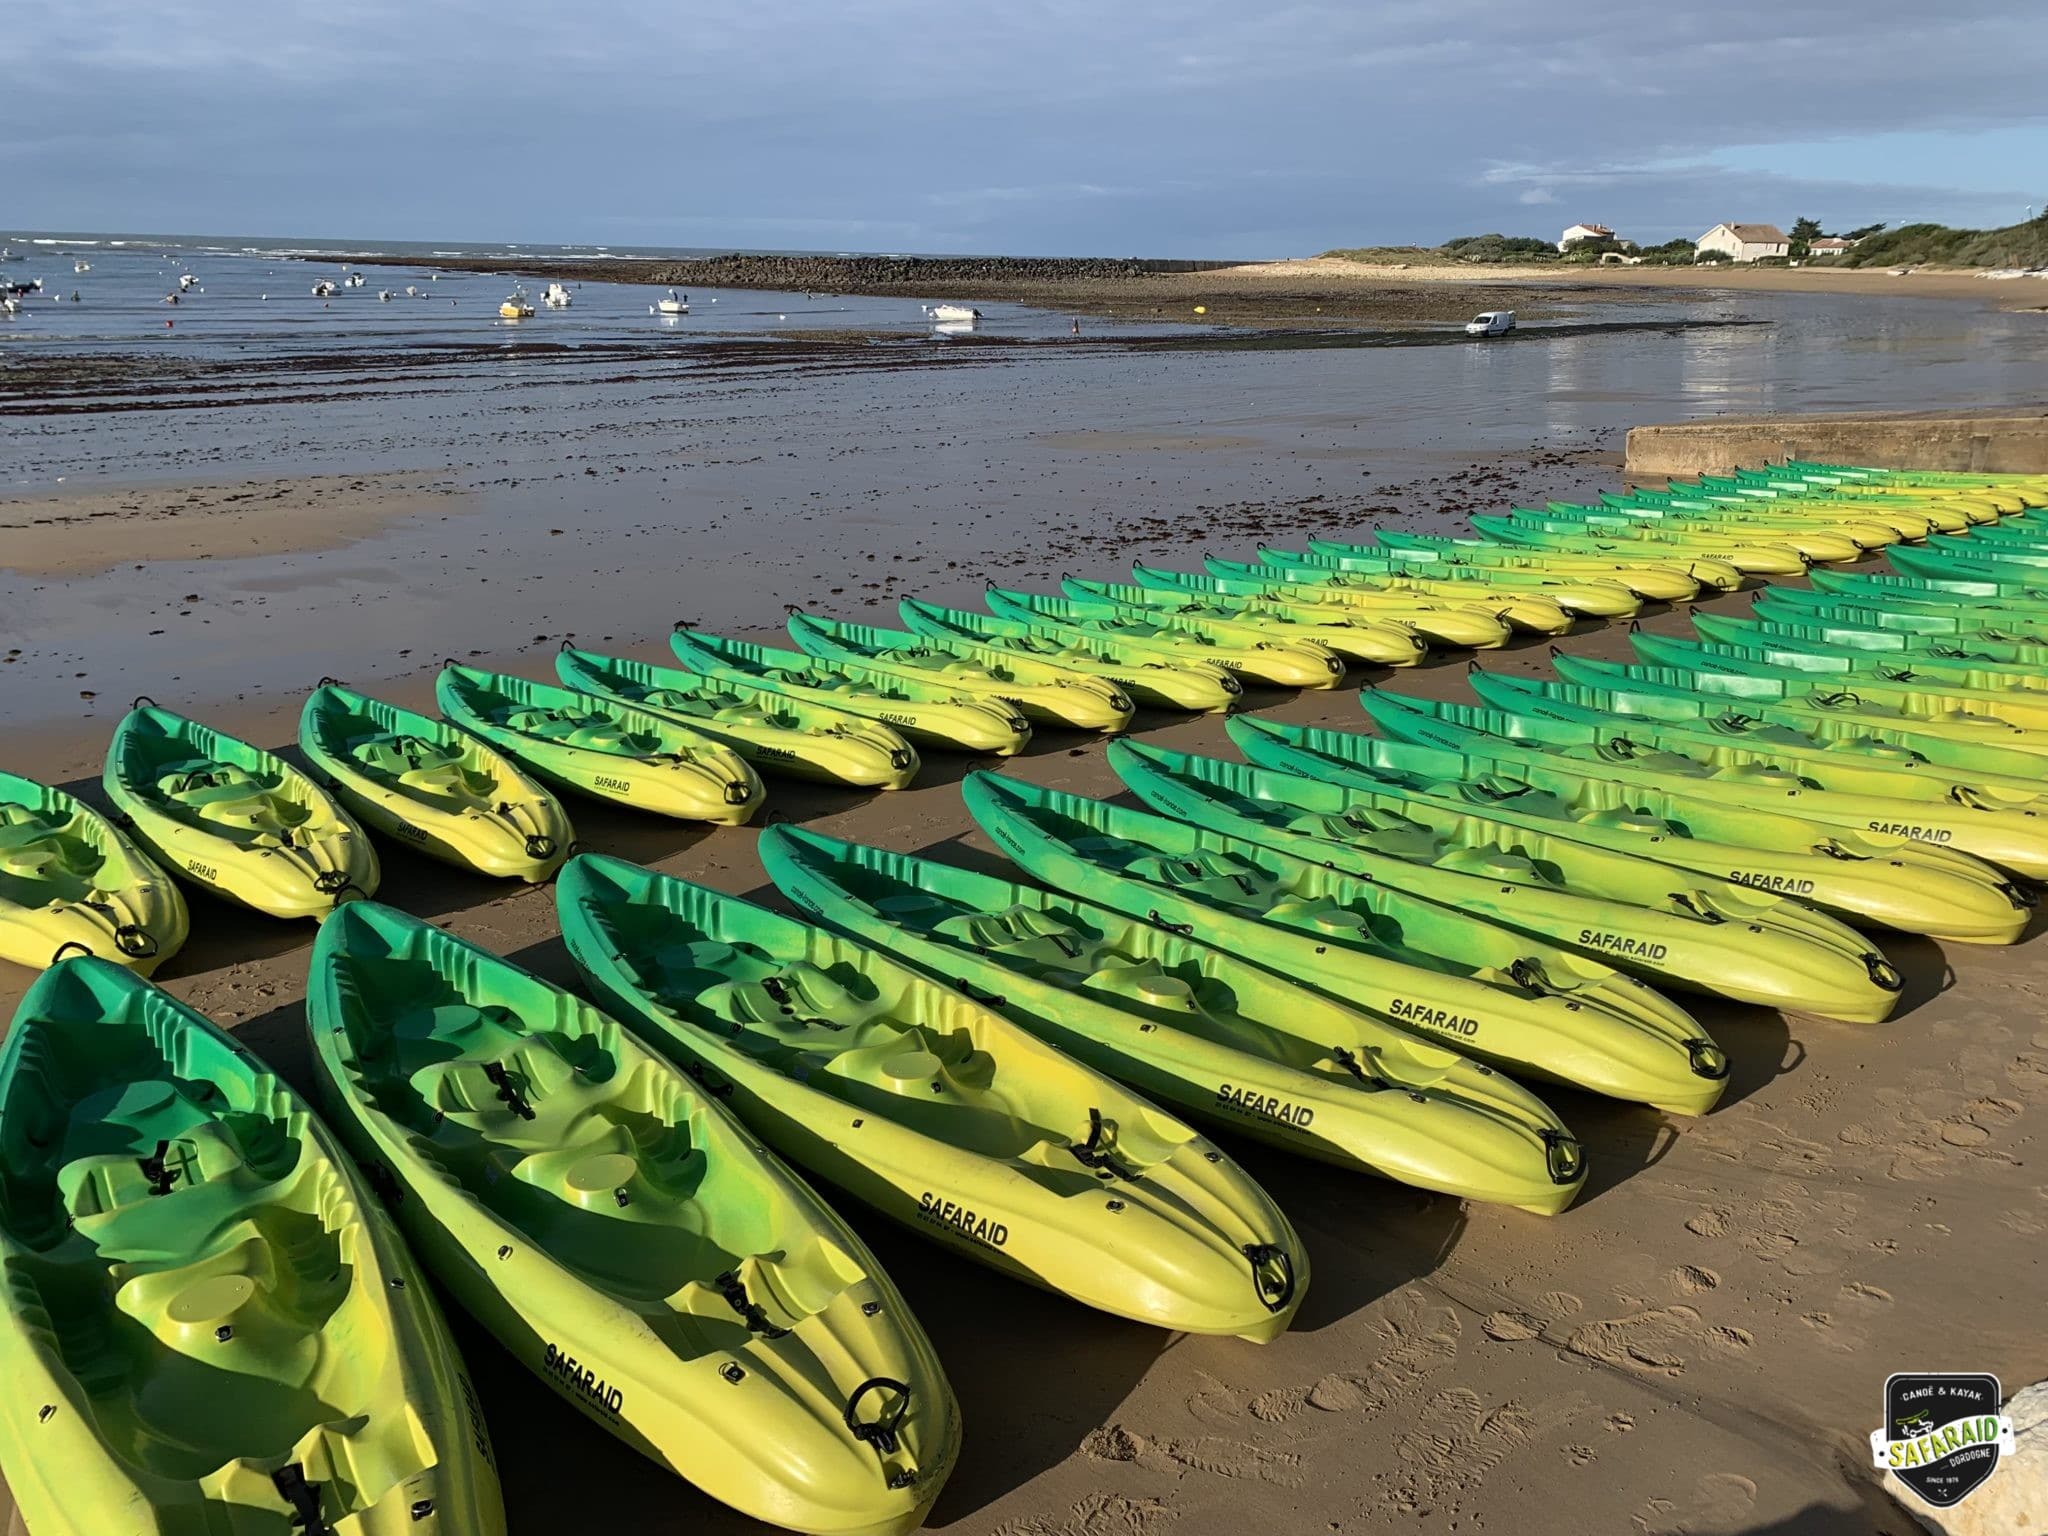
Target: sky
column 1038, row 127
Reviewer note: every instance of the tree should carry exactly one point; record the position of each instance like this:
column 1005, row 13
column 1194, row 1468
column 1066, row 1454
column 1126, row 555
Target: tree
column 1864, row 232
column 1804, row 233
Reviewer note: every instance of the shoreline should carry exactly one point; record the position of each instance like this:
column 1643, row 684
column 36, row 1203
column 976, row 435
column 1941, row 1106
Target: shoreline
column 1305, row 291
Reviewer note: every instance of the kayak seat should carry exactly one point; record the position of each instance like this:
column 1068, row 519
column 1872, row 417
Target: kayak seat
column 1764, row 776
column 1220, row 877
column 34, row 848
column 1320, row 914
column 1622, row 818
column 1493, row 863
column 1023, row 933
column 1143, row 982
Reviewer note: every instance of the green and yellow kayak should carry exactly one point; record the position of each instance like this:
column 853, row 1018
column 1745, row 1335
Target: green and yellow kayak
column 426, row 785
column 1653, row 581
column 1045, row 693
column 1826, row 648
column 1870, row 879
column 601, row 747
column 1926, row 725
column 209, row 1324
column 1783, row 956
column 1872, row 679
column 1192, row 1027
column 1995, row 599
column 1292, row 662
column 1375, row 639
column 1700, row 729
column 1517, row 1003
column 1817, row 531
column 928, row 715
column 1182, row 683
column 1751, row 556
column 1530, row 613
column 70, row 881
column 934, row 1109
column 1818, row 541
column 233, row 819
column 1581, row 595
column 1460, row 626
column 794, row 738
column 620, row 1234
column 1940, row 624
column 2014, row 839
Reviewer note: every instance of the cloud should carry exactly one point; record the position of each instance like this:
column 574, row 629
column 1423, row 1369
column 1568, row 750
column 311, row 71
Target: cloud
column 1195, row 127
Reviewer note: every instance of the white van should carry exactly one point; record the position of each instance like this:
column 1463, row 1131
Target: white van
column 1494, row 322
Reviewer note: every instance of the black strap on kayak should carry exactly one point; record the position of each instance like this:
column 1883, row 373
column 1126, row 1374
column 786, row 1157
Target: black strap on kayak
column 1185, row 930
column 1706, row 1059
column 136, row 941
column 143, row 701
column 880, row 1433
column 1099, row 1150
column 975, row 994
column 1272, row 1274
column 540, row 846
column 161, row 1179
column 1348, row 1060
column 508, row 1090
column 734, row 1290
column 1562, row 1156
column 67, row 946
column 304, row 1498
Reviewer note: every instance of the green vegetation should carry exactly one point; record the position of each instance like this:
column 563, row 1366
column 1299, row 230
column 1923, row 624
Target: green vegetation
column 1490, row 249
column 2017, row 245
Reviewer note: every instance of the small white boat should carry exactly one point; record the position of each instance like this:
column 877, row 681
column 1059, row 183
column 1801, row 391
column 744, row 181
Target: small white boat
column 323, row 289
column 557, row 297
column 383, row 295
column 952, row 312
column 81, row 266
column 356, row 280
column 670, row 305
column 517, row 307
column 187, row 282
column 9, row 304
column 411, row 292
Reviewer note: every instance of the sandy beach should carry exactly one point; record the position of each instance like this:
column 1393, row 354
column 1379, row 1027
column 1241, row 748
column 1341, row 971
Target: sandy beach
column 1697, row 1346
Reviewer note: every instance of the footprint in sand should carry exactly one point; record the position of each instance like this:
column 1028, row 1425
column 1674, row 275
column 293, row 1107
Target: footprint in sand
column 1100, row 1514
column 1719, row 1501
column 1691, row 1279
column 1419, row 1337
column 1509, row 1327
column 1710, row 1224
column 1647, row 1341
column 1620, row 1423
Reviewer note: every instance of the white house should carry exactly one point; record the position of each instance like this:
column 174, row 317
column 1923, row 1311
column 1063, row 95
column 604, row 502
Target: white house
column 1743, row 242
column 1829, row 245
column 1584, row 232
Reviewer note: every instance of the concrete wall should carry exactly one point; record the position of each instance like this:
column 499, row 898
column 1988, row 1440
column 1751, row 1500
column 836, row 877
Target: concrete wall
column 2013, row 440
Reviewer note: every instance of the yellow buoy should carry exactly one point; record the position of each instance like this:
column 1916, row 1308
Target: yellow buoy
column 1201, row 309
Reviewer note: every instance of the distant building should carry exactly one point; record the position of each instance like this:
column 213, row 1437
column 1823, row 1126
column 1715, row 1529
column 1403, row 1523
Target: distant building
column 1829, row 245
column 1584, row 232
column 1743, row 242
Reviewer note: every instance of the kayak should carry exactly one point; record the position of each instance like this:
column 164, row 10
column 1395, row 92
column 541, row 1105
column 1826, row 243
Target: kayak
column 1374, row 639
column 1782, row 956
column 233, row 819
column 2029, row 487
column 1648, row 580
column 602, row 748
column 1242, row 650
column 1905, row 628
column 1829, row 649
column 1869, row 879
column 1193, row 1028
column 934, row 1109
column 927, row 715
column 608, row 1222
column 1188, row 684
column 1924, row 725
column 2014, row 838
column 1582, row 596
column 1811, row 528
column 1466, row 626
column 1874, row 519
column 70, row 881
column 789, row 737
column 428, row 786
column 2005, row 591
column 209, row 1324
column 1514, row 1002
column 1933, row 616
column 1531, row 613
column 1977, row 559
column 1872, row 679
column 1752, row 557
column 1043, row 692
column 1857, row 765
column 1818, row 540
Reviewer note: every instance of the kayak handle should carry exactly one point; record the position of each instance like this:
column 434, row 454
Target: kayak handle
column 1346, row 1058
column 136, row 941
column 974, row 994
column 734, row 1290
column 141, row 700
column 328, row 682
column 1562, row 1156
column 1707, row 1059
column 1185, row 930
column 67, row 946
column 880, row 1433
column 1099, row 1150
column 1267, row 1258
column 1882, row 973
column 540, row 846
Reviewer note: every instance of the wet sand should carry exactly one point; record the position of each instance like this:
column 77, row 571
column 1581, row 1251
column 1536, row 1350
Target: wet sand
column 1697, row 1346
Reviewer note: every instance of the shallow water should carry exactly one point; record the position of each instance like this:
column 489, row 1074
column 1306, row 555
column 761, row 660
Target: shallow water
column 609, row 493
